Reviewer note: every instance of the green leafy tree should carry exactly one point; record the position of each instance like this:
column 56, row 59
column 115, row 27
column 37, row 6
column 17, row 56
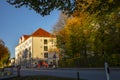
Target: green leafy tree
column 93, row 33
column 44, row 7
column 76, row 33
column 107, row 32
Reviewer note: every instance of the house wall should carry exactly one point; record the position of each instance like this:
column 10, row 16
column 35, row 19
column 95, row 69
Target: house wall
column 35, row 45
column 19, row 50
column 38, row 48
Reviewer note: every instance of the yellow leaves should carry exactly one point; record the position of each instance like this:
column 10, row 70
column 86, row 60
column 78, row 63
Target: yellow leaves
column 73, row 21
column 118, row 25
column 90, row 1
column 81, row 21
column 4, row 54
column 110, row 1
column 54, row 49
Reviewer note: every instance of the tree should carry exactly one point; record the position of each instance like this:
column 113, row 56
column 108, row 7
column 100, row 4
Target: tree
column 92, row 26
column 60, row 23
column 93, row 32
column 105, row 18
column 44, row 7
column 75, row 34
column 4, row 54
column 2, row 43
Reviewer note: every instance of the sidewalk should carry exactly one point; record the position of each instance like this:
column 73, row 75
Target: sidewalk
column 111, row 68
column 76, row 69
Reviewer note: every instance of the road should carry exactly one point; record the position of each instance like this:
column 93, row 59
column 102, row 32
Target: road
column 88, row 74
column 84, row 73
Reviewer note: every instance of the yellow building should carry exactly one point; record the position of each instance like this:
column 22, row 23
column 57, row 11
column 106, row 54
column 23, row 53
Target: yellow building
column 39, row 46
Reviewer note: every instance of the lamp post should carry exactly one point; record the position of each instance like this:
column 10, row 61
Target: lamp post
column 107, row 71
column 105, row 61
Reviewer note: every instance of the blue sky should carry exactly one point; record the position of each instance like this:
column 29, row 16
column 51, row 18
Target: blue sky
column 14, row 22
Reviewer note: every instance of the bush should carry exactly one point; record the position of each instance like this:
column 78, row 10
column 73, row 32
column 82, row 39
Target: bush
column 70, row 63
column 93, row 61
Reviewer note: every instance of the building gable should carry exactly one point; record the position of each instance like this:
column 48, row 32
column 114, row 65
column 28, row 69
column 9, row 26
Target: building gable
column 38, row 33
column 41, row 33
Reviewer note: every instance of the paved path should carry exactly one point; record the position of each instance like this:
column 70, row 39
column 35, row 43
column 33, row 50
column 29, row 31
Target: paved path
column 85, row 73
column 89, row 74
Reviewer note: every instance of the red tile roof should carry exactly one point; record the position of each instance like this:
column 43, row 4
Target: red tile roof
column 26, row 36
column 38, row 33
column 41, row 33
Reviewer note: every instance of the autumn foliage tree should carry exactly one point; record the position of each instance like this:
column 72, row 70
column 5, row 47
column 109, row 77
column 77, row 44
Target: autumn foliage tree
column 4, row 54
column 91, row 31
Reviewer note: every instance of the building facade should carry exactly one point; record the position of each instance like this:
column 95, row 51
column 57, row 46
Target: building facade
column 39, row 46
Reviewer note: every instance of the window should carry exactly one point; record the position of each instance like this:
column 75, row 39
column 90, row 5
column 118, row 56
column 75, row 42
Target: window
column 45, row 48
column 45, row 55
column 45, row 41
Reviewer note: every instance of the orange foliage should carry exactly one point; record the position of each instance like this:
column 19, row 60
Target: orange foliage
column 4, row 54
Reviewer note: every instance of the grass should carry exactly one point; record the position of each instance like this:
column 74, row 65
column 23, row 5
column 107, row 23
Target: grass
column 40, row 78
